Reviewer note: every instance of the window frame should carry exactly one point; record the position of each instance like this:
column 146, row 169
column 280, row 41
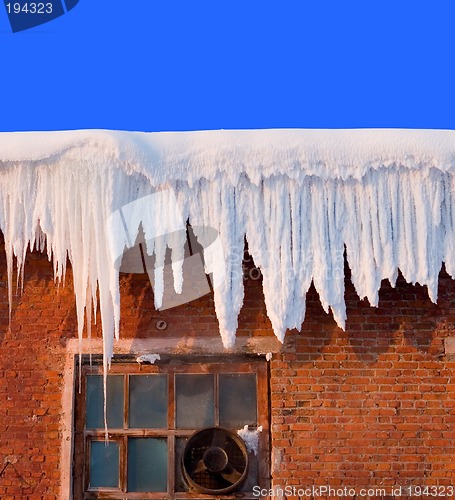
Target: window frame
column 171, row 366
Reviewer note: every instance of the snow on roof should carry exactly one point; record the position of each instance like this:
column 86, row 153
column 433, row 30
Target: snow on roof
column 301, row 197
column 188, row 156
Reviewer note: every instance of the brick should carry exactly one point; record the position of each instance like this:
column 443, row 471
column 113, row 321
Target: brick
column 370, row 406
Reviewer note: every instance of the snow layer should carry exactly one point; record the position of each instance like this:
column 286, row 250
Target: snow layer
column 250, row 438
column 300, row 197
column 148, row 358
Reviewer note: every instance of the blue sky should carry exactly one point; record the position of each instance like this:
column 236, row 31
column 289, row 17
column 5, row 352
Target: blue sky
column 176, row 65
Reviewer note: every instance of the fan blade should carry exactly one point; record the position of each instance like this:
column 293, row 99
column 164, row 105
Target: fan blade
column 219, row 438
column 200, row 467
column 231, row 475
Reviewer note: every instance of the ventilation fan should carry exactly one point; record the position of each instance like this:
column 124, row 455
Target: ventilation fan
column 215, row 461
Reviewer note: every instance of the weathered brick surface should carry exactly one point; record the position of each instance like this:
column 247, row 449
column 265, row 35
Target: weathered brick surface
column 374, row 405
column 31, row 366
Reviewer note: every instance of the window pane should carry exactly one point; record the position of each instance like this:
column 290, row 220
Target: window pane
column 104, row 464
column 147, row 464
column 237, row 400
column 194, row 401
column 180, row 483
column 95, row 402
column 148, row 401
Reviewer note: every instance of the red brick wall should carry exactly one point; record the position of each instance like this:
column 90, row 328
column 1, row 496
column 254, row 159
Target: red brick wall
column 31, row 372
column 374, row 405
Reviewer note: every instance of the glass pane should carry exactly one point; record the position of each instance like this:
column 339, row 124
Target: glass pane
column 104, row 464
column 148, row 401
column 95, row 402
column 194, row 401
column 238, row 400
column 180, row 483
column 147, row 464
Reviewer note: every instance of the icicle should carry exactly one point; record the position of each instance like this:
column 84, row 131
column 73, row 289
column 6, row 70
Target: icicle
column 301, row 198
column 448, row 222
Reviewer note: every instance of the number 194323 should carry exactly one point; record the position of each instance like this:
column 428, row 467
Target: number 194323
column 29, row 8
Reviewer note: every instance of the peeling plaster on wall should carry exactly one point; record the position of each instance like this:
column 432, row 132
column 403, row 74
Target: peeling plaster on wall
column 277, row 458
column 66, row 424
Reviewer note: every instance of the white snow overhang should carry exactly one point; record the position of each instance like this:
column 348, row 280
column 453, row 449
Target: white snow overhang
column 300, row 197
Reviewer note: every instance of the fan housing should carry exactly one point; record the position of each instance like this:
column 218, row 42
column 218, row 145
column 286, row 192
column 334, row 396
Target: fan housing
column 215, row 461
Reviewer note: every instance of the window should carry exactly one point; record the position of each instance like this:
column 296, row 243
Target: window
column 153, row 411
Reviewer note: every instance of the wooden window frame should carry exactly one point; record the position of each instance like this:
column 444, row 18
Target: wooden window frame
column 171, row 366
